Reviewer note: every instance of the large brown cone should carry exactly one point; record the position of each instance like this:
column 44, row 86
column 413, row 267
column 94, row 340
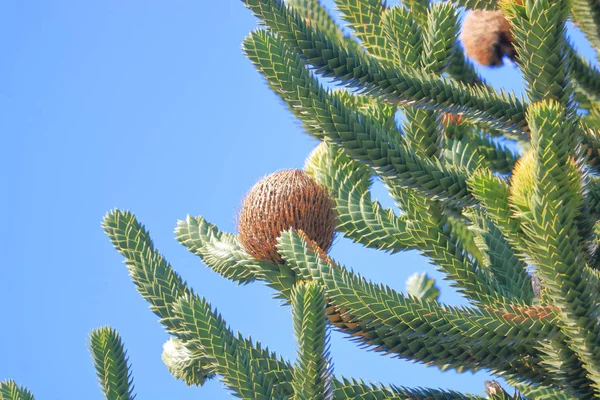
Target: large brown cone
column 284, row 200
column 487, row 38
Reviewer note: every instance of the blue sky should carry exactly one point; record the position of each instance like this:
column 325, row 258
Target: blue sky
column 148, row 106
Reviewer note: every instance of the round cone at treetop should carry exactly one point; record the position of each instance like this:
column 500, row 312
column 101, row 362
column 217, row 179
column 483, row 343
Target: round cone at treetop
column 487, row 38
column 280, row 201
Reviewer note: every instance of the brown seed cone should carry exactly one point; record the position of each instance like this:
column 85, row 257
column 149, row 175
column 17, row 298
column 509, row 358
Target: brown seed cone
column 487, row 38
column 451, row 119
column 284, row 200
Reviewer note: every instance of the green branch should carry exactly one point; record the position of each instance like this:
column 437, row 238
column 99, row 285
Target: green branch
column 145, row 264
column 539, row 31
column 112, row 364
column 364, row 17
column 9, row 390
column 476, row 4
column 184, row 363
column 359, row 218
column 548, row 204
column 399, row 84
column 362, row 137
column 444, row 332
column 224, row 255
column 502, row 262
column 353, row 389
column 586, row 15
column 313, row 372
column 241, row 371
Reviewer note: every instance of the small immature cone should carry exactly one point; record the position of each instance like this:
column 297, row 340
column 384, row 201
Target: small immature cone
column 284, row 200
column 182, row 364
column 493, row 388
column 487, row 38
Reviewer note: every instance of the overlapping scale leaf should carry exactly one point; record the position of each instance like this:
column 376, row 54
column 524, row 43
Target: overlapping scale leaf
column 403, row 34
column 439, row 36
column 590, row 148
column 495, row 156
column 463, row 235
column 493, row 192
column 542, row 393
column 418, row 9
column 9, row 390
column 422, row 127
column 366, row 335
column 162, row 287
column 476, row 4
column 463, row 154
column 364, row 17
column 423, row 131
column 539, row 30
column 402, row 26
column 153, row 276
column 313, row 372
column 438, row 231
column 272, row 276
column 359, row 218
column 319, row 17
column 112, row 364
column 509, row 270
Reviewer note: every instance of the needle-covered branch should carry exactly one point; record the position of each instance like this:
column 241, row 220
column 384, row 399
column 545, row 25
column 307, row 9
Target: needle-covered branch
column 9, row 390
column 398, row 84
column 313, row 373
column 449, row 337
column 192, row 320
column 112, row 364
column 331, row 115
column 547, row 198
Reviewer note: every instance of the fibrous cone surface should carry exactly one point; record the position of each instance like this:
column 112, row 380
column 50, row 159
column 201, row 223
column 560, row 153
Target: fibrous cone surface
column 280, row 201
column 487, row 38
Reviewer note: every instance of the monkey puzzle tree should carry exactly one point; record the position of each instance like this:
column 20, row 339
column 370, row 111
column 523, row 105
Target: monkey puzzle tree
column 517, row 235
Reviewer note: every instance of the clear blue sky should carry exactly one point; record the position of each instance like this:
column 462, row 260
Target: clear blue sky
column 148, row 106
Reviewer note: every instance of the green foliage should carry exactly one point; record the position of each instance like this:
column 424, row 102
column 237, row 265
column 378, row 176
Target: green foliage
column 539, row 28
column 111, row 364
column 9, row 390
column 312, row 376
column 516, row 232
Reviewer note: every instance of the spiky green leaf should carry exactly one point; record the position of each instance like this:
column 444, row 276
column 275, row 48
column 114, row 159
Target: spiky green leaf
column 112, row 364
column 313, row 372
column 9, row 390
